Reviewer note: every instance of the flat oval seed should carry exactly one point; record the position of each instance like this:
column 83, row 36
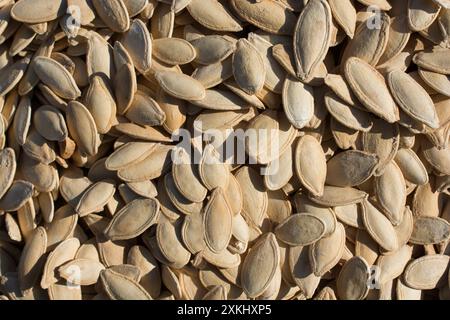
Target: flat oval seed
column 55, row 76
column 170, row 243
column 345, row 14
column 95, row 198
column 379, row 227
column 212, row 49
column 375, row 96
column 310, row 164
column 427, row 272
column 248, row 67
column 437, row 61
column 352, row 280
column 393, row 265
column 213, row 15
column 32, row 259
column 260, row 265
column 217, row 221
column 37, row 11
column 337, row 196
column 326, row 253
column 437, row 81
column 113, row 13
column 350, row 168
column 89, row 271
column 133, row 219
column 16, row 196
column 50, row 123
column 82, row 128
column 270, row 16
column 138, row 43
column 119, row 287
column 212, row 171
column 128, row 154
column 421, row 14
column 412, row 98
column 390, row 190
column 312, row 37
column 180, row 86
column 412, row 168
column 298, row 102
column 430, row 230
column 173, row 51
column 300, row 229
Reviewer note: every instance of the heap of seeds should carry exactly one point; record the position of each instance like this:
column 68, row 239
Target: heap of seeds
column 114, row 183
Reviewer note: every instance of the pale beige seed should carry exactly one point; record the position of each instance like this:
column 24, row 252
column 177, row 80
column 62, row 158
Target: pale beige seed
column 217, row 221
column 12, row 228
column 412, row 168
column 259, row 266
column 81, row 271
column 151, row 167
column 421, row 14
column 234, row 195
column 193, row 233
column 98, row 56
column 125, row 86
column 390, row 190
column 347, row 115
column 173, row 51
column 140, row 257
column 436, row 60
column 99, row 100
column 55, row 76
column 212, row 49
column 270, row 16
column 427, row 272
column 406, row 293
column 50, row 123
column 144, row 189
column 300, row 229
column 113, row 13
column 138, row 43
column 95, row 198
column 438, row 159
column 392, row 266
column 214, row 74
column 310, row 164
column 379, row 227
column 119, row 287
column 32, row 259
column 128, row 154
column 425, row 201
column 350, row 168
column 326, row 253
column 63, row 253
column 404, row 229
column 61, row 227
column 254, row 196
column 221, row 100
column 180, row 86
column 133, row 219
column 170, row 243
column 30, row 11
column 430, row 230
column 22, row 120
column 353, row 279
column 412, row 98
column 162, row 22
column 279, row 171
column 72, row 184
column 298, row 102
column 345, row 14
column 145, row 111
column 186, row 177
column 275, row 73
column 312, row 37
column 373, row 94
column 399, row 35
column 16, row 196
column 82, row 128
column 213, row 15
column 248, row 67
column 38, row 148
column 212, row 171
column 438, row 82
column 365, row 246
column 12, row 74
column 337, row 196
column 339, row 86
column 7, row 169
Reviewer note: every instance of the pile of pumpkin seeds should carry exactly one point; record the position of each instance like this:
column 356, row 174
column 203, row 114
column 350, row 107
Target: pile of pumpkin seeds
column 346, row 197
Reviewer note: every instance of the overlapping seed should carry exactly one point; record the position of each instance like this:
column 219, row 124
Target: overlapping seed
column 209, row 149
